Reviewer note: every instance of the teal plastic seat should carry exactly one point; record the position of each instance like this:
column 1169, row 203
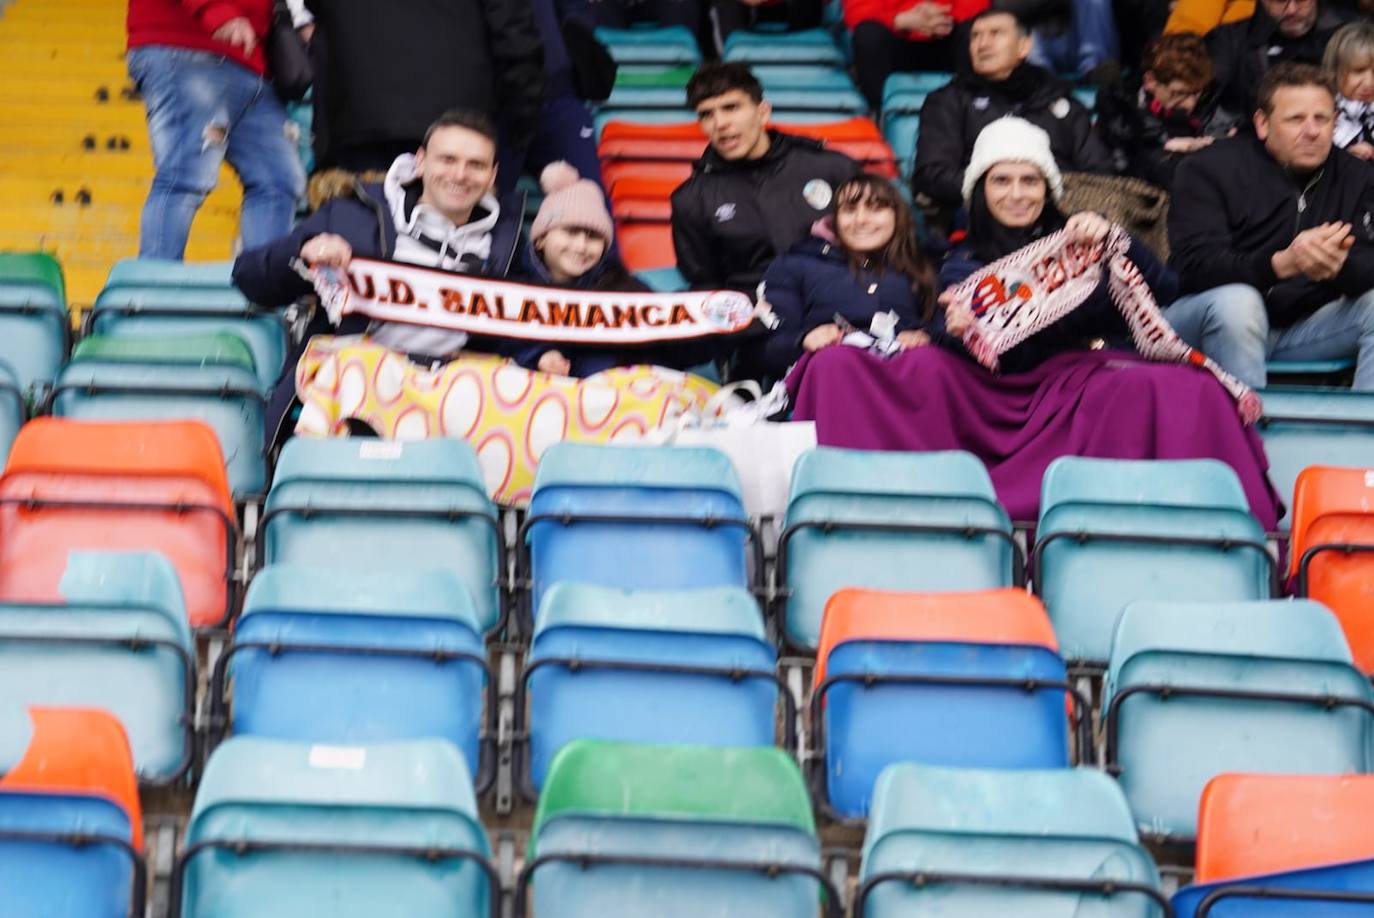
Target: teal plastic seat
column 1338, row 367
column 899, row 85
column 1114, row 531
column 809, row 46
column 119, row 640
column 900, row 130
column 673, row 831
column 1182, row 707
column 781, row 77
column 12, row 411
column 888, row 521
column 663, row 280
column 282, row 828
column 984, row 842
column 1303, row 427
column 35, row 329
column 386, row 506
column 667, row 47
column 225, row 396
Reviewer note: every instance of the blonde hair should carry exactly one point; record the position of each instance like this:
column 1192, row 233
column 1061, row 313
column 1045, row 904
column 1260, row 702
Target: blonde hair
column 1351, row 46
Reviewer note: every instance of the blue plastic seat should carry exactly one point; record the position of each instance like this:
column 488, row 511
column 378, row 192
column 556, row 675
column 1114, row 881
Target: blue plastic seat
column 1113, row 531
column 385, row 507
column 285, row 828
column 809, row 46
column 666, row 47
column 1343, row 890
column 227, row 398
column 1303, row 427
column 35, row 329
column 1197, row 689
column 119, row 640
column 331, row 655
column 901, row 131
column 636, row 517
column 663, row 280
column 888, row 521
column 1336, row 367
column 691, row 667
column 964, row 843
column 906, row 86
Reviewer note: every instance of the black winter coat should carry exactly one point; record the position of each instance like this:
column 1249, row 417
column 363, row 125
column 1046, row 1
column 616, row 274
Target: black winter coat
column 733, row 217
column 1135, row 131
column 1243, row 51
column 1234, row 206
column 384, row 71
column 953, row 116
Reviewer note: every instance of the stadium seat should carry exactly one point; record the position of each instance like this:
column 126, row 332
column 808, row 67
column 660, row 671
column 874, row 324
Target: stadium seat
column 663, row 280
column 905, row 89
column 208, row 378
column 283, row 828
column 809, row 46
column 71, row 828
column 1329, row 550
column 966, row 843
column 674, row 832
column 117, row 639
column 386, row 507
column 887, row 520
column 959, row 679
column 1199, row 689
column 1113, row 531
column 1343, row 890
column 332, row 655
column 35, row 331
column 132, row 486
column 665, row 47
column 646, row 246
column 1251, row 824
column 904, row 94
column 636, row 517
column 1303, row 427
column 12, row 410
column 683, row 668
column 169, row 298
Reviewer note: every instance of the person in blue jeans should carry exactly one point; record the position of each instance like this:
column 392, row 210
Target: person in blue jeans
column 199, row 66
column 1272, row 236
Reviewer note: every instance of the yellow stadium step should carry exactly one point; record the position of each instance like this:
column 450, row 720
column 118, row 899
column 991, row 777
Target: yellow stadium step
column 121, row 115
column 77, row 190
column 91, row 91
column 60, row 165
column 24, row 59
column 74, row 139
column 42, row 220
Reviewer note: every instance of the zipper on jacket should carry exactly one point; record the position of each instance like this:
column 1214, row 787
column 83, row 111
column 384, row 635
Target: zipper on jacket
column 1302, row 200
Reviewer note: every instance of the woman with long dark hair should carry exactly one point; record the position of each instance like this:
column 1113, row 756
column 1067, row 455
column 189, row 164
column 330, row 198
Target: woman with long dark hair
column 861, row 262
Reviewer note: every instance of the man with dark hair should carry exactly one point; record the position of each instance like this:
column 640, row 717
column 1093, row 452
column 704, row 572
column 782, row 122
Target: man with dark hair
column 1278, row 31
column 1272, row 236
column 755, row 192
column 1002, row 83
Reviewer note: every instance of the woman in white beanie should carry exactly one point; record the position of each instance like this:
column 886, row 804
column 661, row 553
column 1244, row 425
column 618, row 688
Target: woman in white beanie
column 1012, row 188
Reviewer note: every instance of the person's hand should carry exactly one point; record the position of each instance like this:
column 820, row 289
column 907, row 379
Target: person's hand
column 927, row 18
column 821, row 336
column 1087, row 228
column 911, row 338
column 1318, row 253
column 238, row 33
column 958, row 317
column 554, row 362
column 1186, row 144
column 306, row 32
column 328, row 250
column 1362, row 150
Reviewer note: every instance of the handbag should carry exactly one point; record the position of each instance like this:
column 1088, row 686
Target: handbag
column 593, row 67
column 288, row 59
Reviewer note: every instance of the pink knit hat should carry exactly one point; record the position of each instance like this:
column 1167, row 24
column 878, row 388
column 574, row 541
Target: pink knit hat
column 571, row 202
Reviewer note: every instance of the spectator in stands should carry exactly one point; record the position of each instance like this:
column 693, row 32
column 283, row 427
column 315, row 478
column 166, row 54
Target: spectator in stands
column 435, row 208
column 793, row 15
column 755, row 192
column 385, row 71
column 1078, row 36
column 892, row 36
column 1350, row 61
column 860, row 263
column 1273, row 238
column 1151, row 124
column 1002, row 83
column 199, row 68
column 1277, row 31
column 1202, row 16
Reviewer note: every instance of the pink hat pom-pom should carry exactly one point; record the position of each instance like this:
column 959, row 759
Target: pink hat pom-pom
column 557, row 176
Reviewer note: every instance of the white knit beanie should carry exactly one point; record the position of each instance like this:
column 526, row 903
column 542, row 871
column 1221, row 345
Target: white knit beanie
column 1012, row 140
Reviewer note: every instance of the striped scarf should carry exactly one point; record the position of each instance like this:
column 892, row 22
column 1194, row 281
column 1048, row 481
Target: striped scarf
column 1037, row 285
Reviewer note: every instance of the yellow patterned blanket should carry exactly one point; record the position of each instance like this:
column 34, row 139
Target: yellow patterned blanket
column 510, row 415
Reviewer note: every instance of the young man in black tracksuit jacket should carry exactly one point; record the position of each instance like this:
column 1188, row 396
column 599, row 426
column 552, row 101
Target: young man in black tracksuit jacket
column 1275, row 231
column 1002, row 84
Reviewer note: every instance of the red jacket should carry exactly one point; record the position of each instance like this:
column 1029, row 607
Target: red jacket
column 190, row 23
column 884, row 11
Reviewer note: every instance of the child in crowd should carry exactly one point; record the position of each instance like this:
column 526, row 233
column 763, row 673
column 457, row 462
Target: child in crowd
column 1350, row 61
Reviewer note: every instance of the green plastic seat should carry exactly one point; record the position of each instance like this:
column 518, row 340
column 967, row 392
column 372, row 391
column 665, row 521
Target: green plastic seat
column 35, row 329
column 678, row 810
column 642, row 75
column 281, row 828
column 217, row 348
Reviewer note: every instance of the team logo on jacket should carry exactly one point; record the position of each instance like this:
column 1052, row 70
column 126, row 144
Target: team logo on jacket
column 817, row 193
column 981, row 103
column 725, row 213
column 1060, row 108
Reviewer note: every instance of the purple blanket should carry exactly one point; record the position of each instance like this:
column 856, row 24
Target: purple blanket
column 1106, row 404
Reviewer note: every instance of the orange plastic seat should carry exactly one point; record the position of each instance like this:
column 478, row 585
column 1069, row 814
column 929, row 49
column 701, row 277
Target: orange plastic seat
column 157, row 486
column 1258, row 824
column 614, row 172
column 82, row 751
column 637, row 189
column 1002, row 616
column 645, row 246
column 1335, row 507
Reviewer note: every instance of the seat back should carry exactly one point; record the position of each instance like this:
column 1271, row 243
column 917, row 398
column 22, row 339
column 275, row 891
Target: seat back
column 843, row 528
column 12, row 410
column 1303, row 427
column 87, row 485
column 666, row 47
column 76, row 779
column 1330, row 508
column 575, row 691
column 34, row 325
column 1343, row 890
column 1186, row 676
column 808, row 46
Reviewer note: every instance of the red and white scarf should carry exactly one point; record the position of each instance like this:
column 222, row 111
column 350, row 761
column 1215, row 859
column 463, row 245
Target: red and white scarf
column 1037, row 285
